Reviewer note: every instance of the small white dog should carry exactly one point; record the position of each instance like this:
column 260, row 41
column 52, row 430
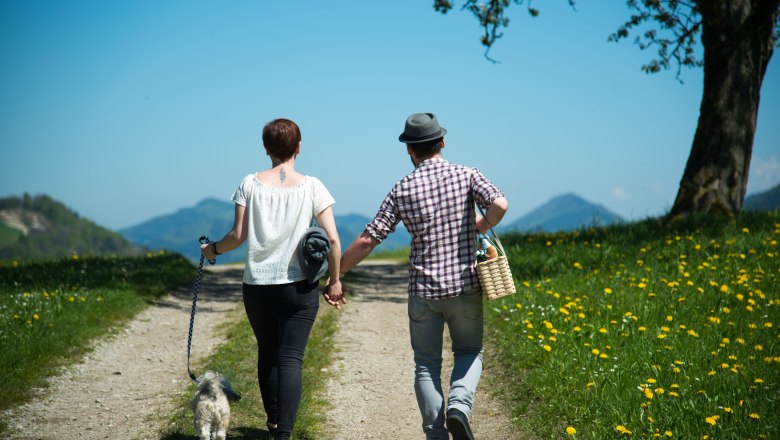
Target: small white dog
column 210, row 406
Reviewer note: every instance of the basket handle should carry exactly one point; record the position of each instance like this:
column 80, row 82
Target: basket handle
column 495, row 236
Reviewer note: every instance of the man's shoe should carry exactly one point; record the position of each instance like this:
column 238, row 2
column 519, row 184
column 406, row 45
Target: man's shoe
column 458, row 425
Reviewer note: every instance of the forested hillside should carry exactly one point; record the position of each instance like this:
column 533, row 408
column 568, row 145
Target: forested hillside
column 33, row 227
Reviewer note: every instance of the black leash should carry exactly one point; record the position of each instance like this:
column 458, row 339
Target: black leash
column 203, row 240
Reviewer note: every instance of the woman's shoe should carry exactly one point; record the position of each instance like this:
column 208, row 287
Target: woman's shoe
column 271, row 428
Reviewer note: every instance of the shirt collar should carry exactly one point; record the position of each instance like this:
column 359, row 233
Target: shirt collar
column 431, row 161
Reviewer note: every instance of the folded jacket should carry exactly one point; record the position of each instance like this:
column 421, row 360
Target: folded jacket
column 314, row 250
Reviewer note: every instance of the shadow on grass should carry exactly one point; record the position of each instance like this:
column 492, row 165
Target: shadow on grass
column 238, row 433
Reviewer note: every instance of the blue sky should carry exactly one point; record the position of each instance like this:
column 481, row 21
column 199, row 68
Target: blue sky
column 126, row 110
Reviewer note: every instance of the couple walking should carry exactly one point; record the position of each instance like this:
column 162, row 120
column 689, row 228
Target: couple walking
column 273, row 211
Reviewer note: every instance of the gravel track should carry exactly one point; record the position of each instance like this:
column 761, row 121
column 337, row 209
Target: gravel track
column 126, row 387
column 372, row 390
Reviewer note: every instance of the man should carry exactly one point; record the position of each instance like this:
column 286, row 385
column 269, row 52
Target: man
column 436, row 204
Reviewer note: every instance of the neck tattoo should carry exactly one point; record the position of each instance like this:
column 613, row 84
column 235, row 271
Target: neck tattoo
column 282, row 175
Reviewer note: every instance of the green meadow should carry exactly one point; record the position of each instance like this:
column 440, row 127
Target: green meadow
column 648, row 330
column 51, row 310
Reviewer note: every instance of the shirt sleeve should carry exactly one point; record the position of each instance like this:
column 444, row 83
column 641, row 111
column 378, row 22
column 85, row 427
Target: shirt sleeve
column 239, row 197
column 321, row 196
column 484, row 191
column 385, row 220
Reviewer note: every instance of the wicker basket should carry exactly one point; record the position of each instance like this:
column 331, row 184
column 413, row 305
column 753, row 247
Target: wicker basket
column 496, row 278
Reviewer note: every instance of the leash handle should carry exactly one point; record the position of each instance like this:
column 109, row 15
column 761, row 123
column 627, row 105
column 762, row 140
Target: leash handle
column 202, row 240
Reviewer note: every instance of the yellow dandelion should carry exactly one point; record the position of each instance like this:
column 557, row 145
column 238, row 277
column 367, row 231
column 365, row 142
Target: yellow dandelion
column 651, row 380
column 71, row 299
column 570, row 430
column 728, row 410
column 622, row 429
column 669, row 318
column 668, row 433
column 649, row 393
column 35, row 316
column 577, row 265
column 724, row 288
column 712, row 420
column 754, row 416
column 607, row 290
column 759, row 347
column 642, row 328
column 547, row 347
column 595, row 351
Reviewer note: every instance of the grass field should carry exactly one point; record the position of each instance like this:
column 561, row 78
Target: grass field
column 50, row 311
column 644, row 331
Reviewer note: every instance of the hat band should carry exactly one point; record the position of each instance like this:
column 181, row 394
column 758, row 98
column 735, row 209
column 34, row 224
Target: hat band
column 409, row 139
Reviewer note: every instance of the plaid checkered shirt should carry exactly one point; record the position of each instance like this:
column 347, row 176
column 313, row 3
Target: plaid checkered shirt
column 436, row 204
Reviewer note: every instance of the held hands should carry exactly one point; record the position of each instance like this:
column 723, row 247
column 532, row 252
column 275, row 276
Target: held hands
column 333, row 293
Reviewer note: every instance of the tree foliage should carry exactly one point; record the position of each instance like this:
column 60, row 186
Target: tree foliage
column 672, row 27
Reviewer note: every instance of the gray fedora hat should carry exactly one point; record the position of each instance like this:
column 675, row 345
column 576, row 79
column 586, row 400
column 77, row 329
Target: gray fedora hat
column 421, row 127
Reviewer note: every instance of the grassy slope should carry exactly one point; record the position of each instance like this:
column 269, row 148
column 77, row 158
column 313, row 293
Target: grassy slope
column 644, row 330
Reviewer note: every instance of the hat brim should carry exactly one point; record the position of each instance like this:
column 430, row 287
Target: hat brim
column 417, row 140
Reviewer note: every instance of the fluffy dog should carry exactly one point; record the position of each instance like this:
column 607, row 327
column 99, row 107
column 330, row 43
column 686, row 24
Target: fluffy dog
column 210, row 407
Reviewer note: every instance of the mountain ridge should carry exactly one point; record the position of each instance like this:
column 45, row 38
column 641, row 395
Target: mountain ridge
column 565, row 212
column 179, row 230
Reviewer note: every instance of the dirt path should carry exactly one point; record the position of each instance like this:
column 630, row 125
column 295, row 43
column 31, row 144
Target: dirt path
column 372, row 389
column 127, row 384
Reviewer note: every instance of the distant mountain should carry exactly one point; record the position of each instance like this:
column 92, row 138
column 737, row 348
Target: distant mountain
column 564, row 213
column 180, row 230
column 34, row 227
column 768, row 200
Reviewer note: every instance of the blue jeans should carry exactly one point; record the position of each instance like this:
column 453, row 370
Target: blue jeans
column 463, row 316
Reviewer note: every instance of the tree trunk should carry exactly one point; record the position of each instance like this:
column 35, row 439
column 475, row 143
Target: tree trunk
column 737, row 36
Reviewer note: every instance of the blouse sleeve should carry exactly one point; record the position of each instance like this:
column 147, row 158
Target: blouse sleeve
column 321, row 196
column 239, row 197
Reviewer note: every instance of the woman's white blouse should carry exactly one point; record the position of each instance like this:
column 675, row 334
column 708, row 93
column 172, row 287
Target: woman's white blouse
column 277, row 220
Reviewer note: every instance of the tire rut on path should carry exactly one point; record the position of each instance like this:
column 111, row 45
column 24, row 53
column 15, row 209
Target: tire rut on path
column 372, row 388
column 125, row 387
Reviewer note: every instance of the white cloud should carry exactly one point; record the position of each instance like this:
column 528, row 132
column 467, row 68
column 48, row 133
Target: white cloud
column 618, row 193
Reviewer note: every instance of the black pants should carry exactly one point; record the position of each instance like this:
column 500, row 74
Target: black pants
column 281, row 317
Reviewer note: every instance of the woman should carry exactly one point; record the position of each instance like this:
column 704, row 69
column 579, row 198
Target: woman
column 273, row 210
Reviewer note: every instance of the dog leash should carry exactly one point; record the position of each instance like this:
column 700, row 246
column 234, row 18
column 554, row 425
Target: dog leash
column 202, row 240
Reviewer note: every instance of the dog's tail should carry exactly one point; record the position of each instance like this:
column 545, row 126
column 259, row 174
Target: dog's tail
column 228, row 389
